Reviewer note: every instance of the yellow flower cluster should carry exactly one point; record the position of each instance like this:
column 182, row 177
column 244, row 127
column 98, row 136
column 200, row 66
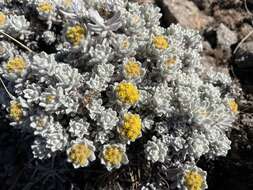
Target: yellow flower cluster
column 113, row 155
column 127, row 93
column 2, row 18
column 50, row 99
column 80, row 154
column 131, row 128
column 132, row 69
column 40, row 123
column 45, row 7
column 135, row 19
column 16, row 64
column 160, row 42
column 193, row 180
column 170, row 62
column 233, row 106
column 125, row 44
column 16, row 111
column 76, row 34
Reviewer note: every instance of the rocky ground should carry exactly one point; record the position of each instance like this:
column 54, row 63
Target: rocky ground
column 227, row 29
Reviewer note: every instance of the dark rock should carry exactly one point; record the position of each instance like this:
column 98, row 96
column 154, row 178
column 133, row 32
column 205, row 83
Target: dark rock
column 250, row 134
column 243, row 65
column 210, row 36
column 250, row 1
column 228, row 4
column 186, row 13
column 244, row 56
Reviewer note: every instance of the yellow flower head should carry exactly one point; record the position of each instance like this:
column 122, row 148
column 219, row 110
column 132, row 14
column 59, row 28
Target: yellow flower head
column 2, row 18
column 233, row 106
column 125, row 44
column 79, row 154
column 136, row 19
column 132, row 69
column 45, row 7
column 170, row 62
column 16, row 65
column 131, row 128
column 203, row 113
column 127, row 93
column 160, row 42
column 50, row 99
column 76, row 34
column 16, row 111
column 40, row 123
column 113, row 155
column 193, row 180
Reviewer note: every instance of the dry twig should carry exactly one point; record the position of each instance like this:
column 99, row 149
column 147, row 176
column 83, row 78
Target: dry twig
column 18, row 42
column 242, row 41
